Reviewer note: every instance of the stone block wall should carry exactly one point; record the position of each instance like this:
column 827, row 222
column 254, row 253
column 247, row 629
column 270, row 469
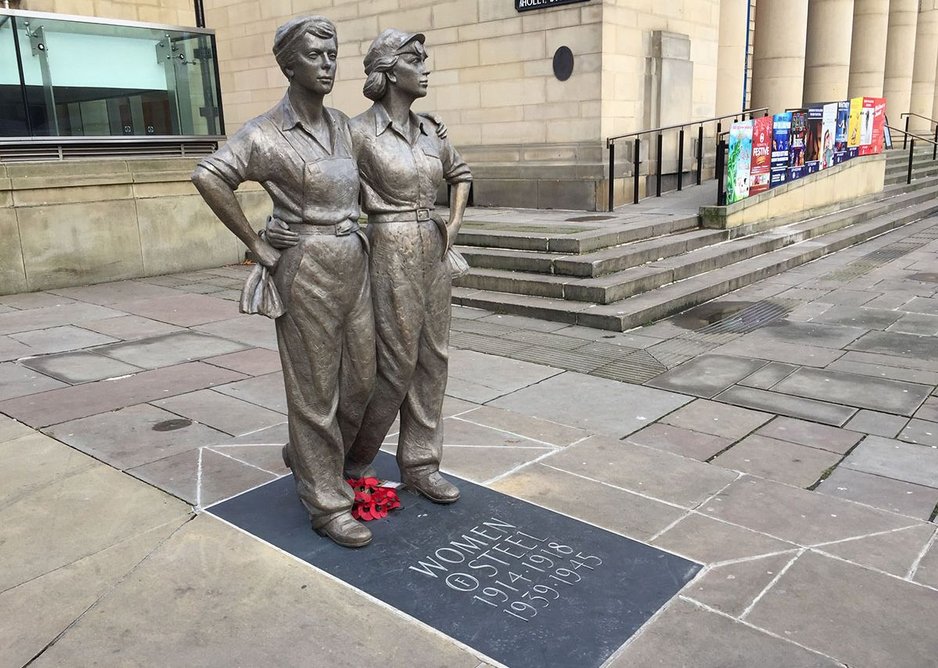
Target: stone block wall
column 168, row 12
column 79, row 222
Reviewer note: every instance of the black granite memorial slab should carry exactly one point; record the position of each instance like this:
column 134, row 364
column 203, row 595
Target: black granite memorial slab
column 521, row 584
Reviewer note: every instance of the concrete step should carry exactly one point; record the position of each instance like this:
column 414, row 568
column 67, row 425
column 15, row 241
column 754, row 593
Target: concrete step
column 683, row 294
column 613, row 287
column 568, row 240
column 597, row 263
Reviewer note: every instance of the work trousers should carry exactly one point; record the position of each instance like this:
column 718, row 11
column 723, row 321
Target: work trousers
column 411, row 289
column 327, row 348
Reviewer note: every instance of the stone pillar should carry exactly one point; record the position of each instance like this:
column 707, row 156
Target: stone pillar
column 731, row 56
column 900, row 54
column 923, row 68
column 827, row 53
column 868, row 48
column 778, row 54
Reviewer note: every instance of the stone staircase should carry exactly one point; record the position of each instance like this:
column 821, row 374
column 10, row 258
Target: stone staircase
column 630, row 271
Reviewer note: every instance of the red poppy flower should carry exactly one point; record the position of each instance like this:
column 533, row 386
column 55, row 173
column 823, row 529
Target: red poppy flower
column 372, row 502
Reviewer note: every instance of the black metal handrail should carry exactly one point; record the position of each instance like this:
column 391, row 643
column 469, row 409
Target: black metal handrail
column 907, row 116
column 911, row 137
column 636, row 157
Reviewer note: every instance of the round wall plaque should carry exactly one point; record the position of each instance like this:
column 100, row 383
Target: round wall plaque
column 563, row 63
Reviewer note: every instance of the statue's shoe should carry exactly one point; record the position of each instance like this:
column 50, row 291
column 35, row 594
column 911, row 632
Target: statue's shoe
column 435, row 487
column 286, row 457
column 346, row 531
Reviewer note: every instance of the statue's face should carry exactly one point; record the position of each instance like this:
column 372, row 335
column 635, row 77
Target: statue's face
column 411, row 74
column 313, row 67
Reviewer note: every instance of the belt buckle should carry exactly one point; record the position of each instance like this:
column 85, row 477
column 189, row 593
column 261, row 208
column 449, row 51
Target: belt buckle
column 344, row 228
column 423, row 214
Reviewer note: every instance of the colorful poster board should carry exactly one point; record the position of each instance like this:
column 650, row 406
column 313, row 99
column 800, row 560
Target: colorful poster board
column 781, row 140
column 739, row 162
column 877, row 113
column 853, row 128
column 760, row 171
column 828, row 133
column 840, row 136
column 796, row 146
column 812, row 143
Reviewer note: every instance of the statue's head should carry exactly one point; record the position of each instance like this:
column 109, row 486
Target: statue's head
column 396, row 58
column 290, row 37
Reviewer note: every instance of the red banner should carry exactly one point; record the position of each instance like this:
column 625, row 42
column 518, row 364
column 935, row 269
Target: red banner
column 761, row 170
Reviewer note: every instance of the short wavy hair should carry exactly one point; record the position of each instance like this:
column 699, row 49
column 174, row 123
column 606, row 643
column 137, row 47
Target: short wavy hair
column 376, row 83
column 290, row 33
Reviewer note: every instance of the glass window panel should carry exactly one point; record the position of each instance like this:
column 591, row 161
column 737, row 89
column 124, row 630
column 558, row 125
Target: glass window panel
column 12, row 109
column 93, row 80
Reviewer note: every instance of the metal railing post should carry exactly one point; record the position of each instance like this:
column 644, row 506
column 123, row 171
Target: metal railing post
column 680, row 160
column 905, row 137
column 612, row 174
column 934, row 148
column 660, row 164
column 636, row 163
column 911, row 156
column 721, row 176
column 699, row 155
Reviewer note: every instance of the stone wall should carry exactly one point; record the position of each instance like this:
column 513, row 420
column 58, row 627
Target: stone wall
column 169, row 12
column 80, row 222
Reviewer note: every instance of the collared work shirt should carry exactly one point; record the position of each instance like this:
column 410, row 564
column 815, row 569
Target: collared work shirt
column 310, row 179
column 400, row 172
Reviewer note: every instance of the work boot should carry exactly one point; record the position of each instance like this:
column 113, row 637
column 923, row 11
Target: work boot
column 435, row 487
column 346, row 531
column 286, row 457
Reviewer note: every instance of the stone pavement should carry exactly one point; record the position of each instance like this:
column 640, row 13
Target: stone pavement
column 785, row 436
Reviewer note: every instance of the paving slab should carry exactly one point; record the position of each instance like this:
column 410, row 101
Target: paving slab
column 707, row 375
column 53, row 316
column 482, row 463
column 131, row 327
column 916, row 323
column 297, row 608
column 895, row 459
column 896, row 345
column 520, row 322
column 796, row 515
column 60, row 339
column 929, row 410
column 733, row 587
column 80, row 367
column 788, row 353
column 544, row 431
column 267, row 391
column 768, row 375
column 11, row 429
column 169, row 349
column 858, row 616
column 658, row 474
column 890, row 396
column 926, row 305
column 182, row 309
column 19, row 381
column 614, row 509
column 894, row 552
column 479, row 377
column 858, row 316
column 709, row 541
column 684, row 635
column 136, row 435
column 593, row 404
column 783, row 404
column 251, row 362
column 68, row 403
column 881, row 492
column 927, row 570
column 711, row 417
column 32, row 461
column 810, row 434
column 268, row 458
column 778, row 460
column 276, row 435
column 922, row 432
column 878, row 424
column 812, row 333
column 461, row 432
column 921, row 376
column 201, row 476
column 77, row 516
column 11, row 349
column 116, row 292
column 31, row 300
column 680, row 441
column 222, row 412
column 252, row 330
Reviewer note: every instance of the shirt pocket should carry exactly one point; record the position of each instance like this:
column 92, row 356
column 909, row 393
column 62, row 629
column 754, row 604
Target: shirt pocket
column 331, row 184
column 434, row 164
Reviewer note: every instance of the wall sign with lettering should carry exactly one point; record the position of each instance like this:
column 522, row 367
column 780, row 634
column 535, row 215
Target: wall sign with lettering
column 528, row 5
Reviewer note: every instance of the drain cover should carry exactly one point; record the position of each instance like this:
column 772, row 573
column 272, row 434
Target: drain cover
column 171, row 425
column 727, row 316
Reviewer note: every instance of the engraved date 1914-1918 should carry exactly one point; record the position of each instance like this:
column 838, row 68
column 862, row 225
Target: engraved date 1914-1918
column 508, row 569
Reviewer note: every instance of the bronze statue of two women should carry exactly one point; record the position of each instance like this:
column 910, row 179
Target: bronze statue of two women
column 363, row 315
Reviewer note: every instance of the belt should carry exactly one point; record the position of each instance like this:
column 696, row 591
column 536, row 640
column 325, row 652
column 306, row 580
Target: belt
column 342, row 229
column 414, row 215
